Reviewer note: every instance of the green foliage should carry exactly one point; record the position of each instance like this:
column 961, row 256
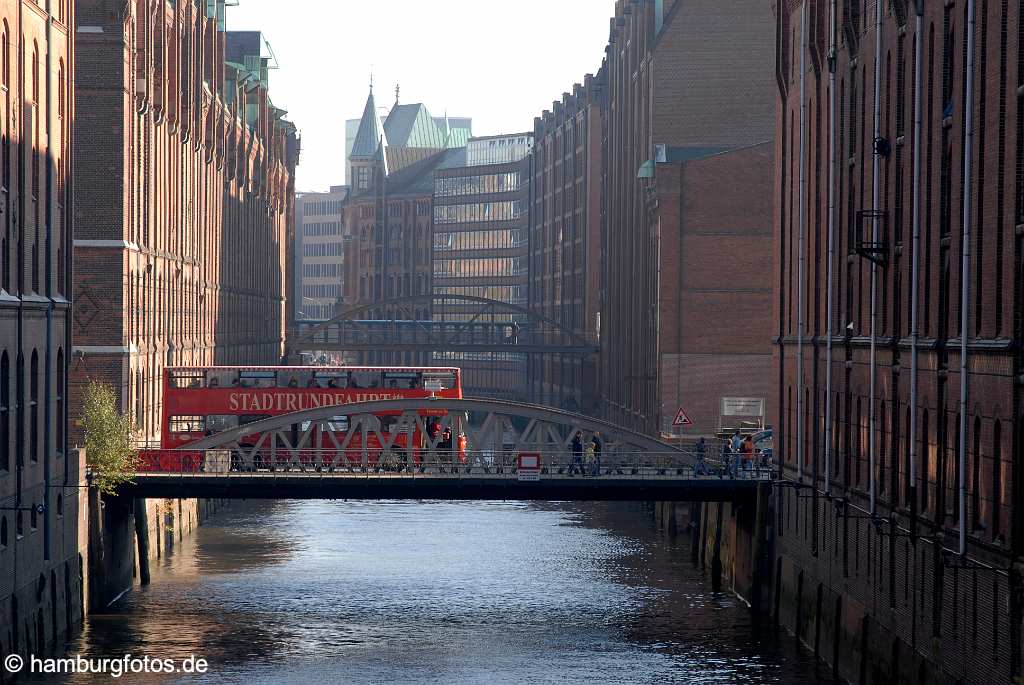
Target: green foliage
column 109, row 439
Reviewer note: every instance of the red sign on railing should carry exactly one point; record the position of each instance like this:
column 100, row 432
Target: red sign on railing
column 170, row 461
column 528, row 466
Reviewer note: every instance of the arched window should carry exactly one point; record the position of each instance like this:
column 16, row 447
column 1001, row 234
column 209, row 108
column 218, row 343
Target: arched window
column 5, row 412
column 19, row 413
column 5, row 57
column 33, row 404
column 976, row 518
column 57, row 153
column 858, row 444
column 883, row 442
column 140, row 384
column 997, row 480
column 907, row 441
column 924, row 476
column 61, row 95
column 35, row 170
column 59, row 391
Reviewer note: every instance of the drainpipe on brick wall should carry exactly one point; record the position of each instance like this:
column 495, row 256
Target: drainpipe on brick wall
column 965, row 270
column 875, row 164
column 915, row 267
column 801, row 249
column 831, row 241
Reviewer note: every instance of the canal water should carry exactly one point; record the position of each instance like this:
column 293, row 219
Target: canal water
column 439, row 592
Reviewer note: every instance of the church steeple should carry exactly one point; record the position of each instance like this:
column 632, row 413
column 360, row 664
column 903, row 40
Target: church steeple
column 368, row 146
column 370, row 133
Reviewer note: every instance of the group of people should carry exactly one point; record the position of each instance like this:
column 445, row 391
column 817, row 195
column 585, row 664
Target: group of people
column 738, row 454
column 586, row 458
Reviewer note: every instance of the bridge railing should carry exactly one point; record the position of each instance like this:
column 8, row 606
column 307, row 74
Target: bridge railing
column 482, row 463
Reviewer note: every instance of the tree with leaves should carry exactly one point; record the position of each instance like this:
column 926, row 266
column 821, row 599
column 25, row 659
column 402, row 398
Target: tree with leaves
column 110, row 449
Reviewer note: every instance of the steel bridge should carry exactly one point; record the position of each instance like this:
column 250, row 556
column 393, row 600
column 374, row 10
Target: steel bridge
column 512, row 450
column 404, row 325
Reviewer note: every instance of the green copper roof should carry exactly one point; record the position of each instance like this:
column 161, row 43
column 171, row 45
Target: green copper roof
column 412, row 126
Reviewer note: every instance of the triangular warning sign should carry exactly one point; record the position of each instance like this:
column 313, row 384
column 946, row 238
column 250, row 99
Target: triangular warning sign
column 681, row 419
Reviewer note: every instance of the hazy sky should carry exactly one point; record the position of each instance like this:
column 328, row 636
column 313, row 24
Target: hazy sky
column 501, row 62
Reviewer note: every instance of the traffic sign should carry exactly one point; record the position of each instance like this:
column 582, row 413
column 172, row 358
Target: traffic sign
column 528, row 467
column 681, row 419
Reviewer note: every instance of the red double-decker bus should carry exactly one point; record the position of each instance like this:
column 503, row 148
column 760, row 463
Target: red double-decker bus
column 201, row 401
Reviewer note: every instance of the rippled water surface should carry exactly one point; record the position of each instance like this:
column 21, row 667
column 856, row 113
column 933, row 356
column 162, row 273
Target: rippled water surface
column 375, row 592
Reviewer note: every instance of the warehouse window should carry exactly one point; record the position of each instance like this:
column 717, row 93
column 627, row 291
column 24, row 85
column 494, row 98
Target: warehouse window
column 5, row 412
column 33, row 384
column 997, row 479
column 976, row 517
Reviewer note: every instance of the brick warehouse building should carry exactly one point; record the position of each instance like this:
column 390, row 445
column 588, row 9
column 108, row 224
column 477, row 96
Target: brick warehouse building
column 40, row 586
column 679, row 90
column 387, row 215
column 565, row 238
column 882, row 604
column 185, row 187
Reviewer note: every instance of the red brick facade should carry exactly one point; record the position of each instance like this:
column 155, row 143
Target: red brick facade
column 39, row 579
column 714, row 223
column 185, row 187
column 685, row 80
column 897, row 608
column 565, row 238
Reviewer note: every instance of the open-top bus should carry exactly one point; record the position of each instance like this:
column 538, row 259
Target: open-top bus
column 202, row 401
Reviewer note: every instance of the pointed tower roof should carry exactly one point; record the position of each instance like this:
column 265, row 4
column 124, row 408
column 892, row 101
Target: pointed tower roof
column 370, row 135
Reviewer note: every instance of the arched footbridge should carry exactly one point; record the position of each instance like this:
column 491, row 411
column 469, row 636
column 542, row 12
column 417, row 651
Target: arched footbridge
column 395, row 449
column 407, row 324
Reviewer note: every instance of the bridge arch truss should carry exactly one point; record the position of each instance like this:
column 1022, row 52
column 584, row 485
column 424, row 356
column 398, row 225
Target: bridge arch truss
column 492, row 427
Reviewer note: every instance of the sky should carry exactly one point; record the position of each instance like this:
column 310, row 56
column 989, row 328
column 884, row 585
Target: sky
column 501, row 62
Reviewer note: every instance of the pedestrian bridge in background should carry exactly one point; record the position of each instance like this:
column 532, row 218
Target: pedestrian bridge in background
column 512, row 451
column 405, row 324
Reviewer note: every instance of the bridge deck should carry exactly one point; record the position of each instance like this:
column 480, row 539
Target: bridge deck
column 441, row 485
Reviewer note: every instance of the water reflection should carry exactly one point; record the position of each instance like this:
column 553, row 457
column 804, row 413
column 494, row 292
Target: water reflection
column 330, row 591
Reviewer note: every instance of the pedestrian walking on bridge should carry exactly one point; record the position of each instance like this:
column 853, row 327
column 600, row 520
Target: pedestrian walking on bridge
column 576, row 466
column 701, row 467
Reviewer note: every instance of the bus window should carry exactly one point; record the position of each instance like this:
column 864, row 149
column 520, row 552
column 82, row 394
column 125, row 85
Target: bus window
column 246, row 419
column 337, row 424
column 331, row 379
column 438, row 380
column 186, row 379
column 402, row 380
column 387, row 423
column 222, row 378
column 364, row 379
column 257, row 379
column 215, row 423
column 185, row 424
column 295, row 379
